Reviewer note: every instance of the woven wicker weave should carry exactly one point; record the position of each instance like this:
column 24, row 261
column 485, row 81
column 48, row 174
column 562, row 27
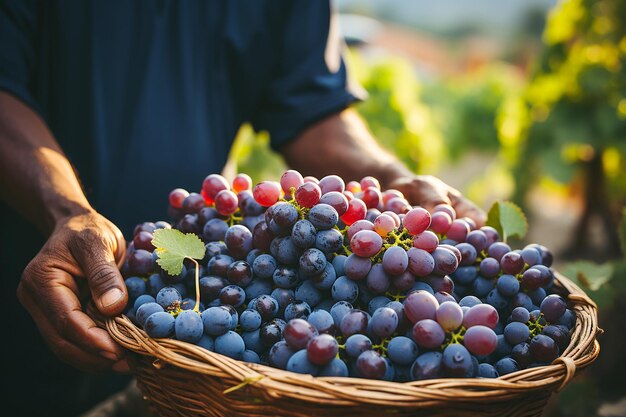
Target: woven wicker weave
column 181, row 379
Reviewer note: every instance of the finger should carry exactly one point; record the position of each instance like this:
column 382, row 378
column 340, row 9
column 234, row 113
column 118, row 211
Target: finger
column 63, row 311
column 465, row 208
column 64, row 349
column 95, row 255
column 426, row 192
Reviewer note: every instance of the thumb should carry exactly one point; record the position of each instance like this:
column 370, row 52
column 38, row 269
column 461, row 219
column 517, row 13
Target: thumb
column 96, row 259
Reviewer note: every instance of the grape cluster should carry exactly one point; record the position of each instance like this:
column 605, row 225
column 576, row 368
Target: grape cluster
column 335, row 279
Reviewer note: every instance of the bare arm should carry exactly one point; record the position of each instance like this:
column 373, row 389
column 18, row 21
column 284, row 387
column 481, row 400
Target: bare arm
column 37, row 180
column 341, row 144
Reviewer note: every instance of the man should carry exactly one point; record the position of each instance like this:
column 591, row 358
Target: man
column 143, row 97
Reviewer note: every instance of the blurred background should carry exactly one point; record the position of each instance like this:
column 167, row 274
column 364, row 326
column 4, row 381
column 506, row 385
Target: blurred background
column 516, row 100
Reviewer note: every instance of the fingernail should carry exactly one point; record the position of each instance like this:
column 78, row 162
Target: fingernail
column 121, row 366
column 111, row 297
column 109, row 355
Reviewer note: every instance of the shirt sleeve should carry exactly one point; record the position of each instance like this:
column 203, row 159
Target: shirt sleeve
column 310, row 79
column 18, row 26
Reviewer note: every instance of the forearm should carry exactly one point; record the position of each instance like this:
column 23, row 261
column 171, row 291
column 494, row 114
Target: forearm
column 36, row 179
column 341, row 144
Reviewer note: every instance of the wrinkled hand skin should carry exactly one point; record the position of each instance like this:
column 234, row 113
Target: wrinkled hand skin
column 88, row 247
column 428, row 191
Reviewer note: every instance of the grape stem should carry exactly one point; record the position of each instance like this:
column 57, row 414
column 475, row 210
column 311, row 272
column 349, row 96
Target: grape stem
column 196, row 308
column 455, row 337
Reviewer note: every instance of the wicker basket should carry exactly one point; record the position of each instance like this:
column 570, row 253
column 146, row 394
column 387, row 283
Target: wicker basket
column 181, row 379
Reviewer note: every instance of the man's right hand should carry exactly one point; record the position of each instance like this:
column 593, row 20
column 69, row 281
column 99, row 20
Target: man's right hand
column 90, row 247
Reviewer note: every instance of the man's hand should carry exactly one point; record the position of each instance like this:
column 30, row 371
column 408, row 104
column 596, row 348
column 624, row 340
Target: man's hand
column 90, row 247
column 341, row 144
column 428, row 191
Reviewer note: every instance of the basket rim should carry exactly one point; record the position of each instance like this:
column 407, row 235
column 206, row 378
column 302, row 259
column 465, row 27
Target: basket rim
column 275, row 383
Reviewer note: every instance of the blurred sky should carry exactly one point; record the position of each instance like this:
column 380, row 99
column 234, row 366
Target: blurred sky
column 502, row 17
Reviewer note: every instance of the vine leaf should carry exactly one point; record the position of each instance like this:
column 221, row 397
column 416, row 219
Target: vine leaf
column 508, row 219
column 173, row 246
column 589, row 275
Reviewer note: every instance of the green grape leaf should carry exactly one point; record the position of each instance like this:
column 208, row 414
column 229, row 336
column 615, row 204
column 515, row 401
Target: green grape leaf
column 508, row 219
column 173, row 246
column 589, row 275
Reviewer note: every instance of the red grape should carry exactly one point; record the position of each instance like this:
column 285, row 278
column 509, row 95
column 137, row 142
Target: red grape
column 416, row 220
column 226, row 202
column 480, row 340
column 213, row 184
column 384, row 224
column 291, row 179
column 308, row 194
column 242, row 182
column 266, row 193
column 481, row 315
column 177, row 196
column 366, row 243
column 356, row 211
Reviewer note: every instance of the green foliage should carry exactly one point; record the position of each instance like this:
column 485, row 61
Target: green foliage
column 396, row 113
column 575, row 104
column 508, row 219
column 173, row 246
column 251, row 153
column 465, row 107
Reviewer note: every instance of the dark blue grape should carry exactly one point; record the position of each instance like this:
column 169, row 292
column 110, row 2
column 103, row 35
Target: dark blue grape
column 284, row 297
column 486, row 370
column 146, row 310
column 303, row 234
column 300, row 363
column 329, row 241
column 506, row 366
column 355, row 321
column 267, row 307
column 356, row 267
column 257, row 288
column 169, row 298
column 469, row 301
column 520, row 314
column 345, row 289
column 279, row 354
column 239, row 273
column 312, row 262
column 482, row 286
column 497, row 300
column 206, row 342
column 521, row 354
column 297, row 310
column 384, row 322
column 339, row 310
column 489, row 267
column 159, row 324
column 250, row 356
column 464, row 275
column 250, row 320
column 336, row 367
column 377, row 280
column 376, row 303
column 230, row 344
column 507, row 285
column 264, row 266
column 402, row 350
column 252, row 340
column 553, row 307
column 188, row 326
column 286, row 277
column 339, row 262
column 219, row 264
column 427, row 366
column 516, row 332
column 216, row 320
column 232, row 295
column 468, row 253
column 143, row 299
column 307, row 292
column 325, row 279
column 214, row 230
column 136, row 286
column 322, row 320
column 238, row 240
column 457, row 362
column 323, row 216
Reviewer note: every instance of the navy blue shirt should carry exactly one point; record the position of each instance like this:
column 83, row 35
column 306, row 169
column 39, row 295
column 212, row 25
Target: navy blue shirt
column 147, row 96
